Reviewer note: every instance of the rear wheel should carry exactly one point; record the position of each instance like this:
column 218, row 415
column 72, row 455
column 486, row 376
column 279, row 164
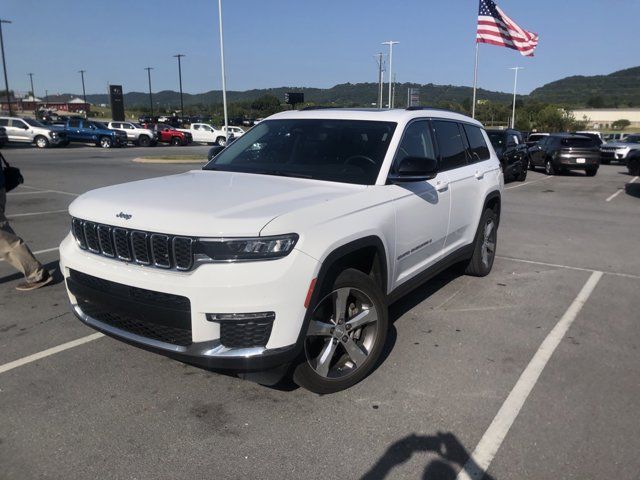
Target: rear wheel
column 484, row 249
column 176, row 141
column 522, row 176
column 605, row 161
column 634, row 166
column 345, row 336
column 548, row 168
column 106, row 142
column 221, row 141
column 41, row 141
column 144, row 141
column 591, row 171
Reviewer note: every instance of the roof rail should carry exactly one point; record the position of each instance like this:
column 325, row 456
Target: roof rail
column 411, row 109
column 318, row 107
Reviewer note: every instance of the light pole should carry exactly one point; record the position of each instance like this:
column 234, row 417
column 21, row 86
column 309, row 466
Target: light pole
column 33, row 94
column 224, row 76
column 148, row 69
column 391, row 43
column 515, row 88
column 84, row 93
column 380, row 61
column 179, row 56
column 4, row 66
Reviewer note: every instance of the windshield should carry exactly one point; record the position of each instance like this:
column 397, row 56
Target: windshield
column 101, row 125
column 33, row 123
column 535, row 138
column 497, row 139
column 578, row 142
column 137, row 125
column 347, row 151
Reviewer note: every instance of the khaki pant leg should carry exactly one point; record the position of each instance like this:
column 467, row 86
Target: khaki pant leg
column 14, row 250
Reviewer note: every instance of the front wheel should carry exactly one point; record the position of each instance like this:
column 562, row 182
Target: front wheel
column 106, row 142
column 484, row 247
column 222, row 141
column 523, row 171
column 144, row 141
column 633, row 166
column 41, row 141
column 175, row 141
column 548, row 168
column 346, row 334
column 591, row 172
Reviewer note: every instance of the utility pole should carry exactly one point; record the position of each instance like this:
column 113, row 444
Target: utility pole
column 148, row 69
column 393, row 91
column 515, row 88
column 179, row 56
column 33, row 94
column 379, row 60
column 391, row 43
column 4, row 66
column 84, row 93
column 224, row 75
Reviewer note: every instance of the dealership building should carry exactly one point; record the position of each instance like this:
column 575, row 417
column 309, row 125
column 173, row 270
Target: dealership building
column 602, row 118
column 29, row 104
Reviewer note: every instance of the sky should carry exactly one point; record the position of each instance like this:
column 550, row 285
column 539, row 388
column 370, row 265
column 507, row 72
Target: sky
column 303, row 43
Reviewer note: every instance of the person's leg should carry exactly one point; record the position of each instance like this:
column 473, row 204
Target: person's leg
column 15, row 251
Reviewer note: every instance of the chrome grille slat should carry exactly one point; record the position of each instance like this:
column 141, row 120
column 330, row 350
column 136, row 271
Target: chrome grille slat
column 169, row 252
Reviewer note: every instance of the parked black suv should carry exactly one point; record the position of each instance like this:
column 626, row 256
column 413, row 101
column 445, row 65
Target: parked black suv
column 561, row 152
column 512, row 152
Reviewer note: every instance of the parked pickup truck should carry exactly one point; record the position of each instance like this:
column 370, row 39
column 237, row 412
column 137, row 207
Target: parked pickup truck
column 206, row 133
column 136, row 134
column 168, row 134
column 27, row 130
column 87, row 131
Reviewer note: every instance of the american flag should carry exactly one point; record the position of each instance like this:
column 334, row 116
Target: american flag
column 496, row 28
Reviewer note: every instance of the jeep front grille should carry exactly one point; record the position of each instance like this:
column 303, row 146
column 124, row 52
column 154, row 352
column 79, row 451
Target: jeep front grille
column 134, row 246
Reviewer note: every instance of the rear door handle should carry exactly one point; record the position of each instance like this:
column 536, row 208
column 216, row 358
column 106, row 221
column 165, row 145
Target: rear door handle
column 479, row 175
column 441, row 185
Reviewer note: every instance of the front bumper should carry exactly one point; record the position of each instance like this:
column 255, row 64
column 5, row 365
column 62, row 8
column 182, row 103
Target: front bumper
column 278, row 286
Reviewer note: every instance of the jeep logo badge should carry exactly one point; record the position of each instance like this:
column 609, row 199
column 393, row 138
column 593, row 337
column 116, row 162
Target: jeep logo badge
column 126, row 216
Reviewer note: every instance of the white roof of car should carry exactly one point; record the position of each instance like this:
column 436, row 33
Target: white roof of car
column 386, row 115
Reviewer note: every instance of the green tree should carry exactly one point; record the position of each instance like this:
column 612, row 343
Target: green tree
column 621, row 124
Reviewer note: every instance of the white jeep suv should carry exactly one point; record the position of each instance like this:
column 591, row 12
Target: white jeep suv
column 285, row 250
column 136, row 133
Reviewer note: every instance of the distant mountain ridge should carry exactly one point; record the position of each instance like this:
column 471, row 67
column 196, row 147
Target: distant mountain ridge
column 618, row 89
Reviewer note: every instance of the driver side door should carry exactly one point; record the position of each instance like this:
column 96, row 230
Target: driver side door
column 421, row 208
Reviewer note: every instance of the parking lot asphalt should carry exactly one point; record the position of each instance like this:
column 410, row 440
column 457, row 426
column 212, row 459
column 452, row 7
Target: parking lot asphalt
column 471, row 366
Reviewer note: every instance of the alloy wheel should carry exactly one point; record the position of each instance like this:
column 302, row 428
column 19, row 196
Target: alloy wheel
column 488, row 249
column 342, row 333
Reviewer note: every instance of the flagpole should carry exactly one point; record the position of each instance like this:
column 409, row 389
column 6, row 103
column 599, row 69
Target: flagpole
column 475, row 82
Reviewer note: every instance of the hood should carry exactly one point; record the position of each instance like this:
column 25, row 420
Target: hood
column 205, row 203
column 618, row 145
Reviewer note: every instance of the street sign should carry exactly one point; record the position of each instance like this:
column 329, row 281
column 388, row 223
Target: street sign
column 117, row 102
column 413, row 97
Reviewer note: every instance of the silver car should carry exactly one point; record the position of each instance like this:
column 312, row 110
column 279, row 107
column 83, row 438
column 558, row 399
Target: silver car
column 27, row 130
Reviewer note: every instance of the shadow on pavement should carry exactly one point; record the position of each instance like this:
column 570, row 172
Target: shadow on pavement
column 452, row 456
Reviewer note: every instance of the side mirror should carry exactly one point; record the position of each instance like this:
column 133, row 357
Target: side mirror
column 415, row 169
column 214, row 151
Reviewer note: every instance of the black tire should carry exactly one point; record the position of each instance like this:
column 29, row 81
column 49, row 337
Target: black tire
column 591, row 172
column 340, row 375
column 144, row 140
column 523, row 172
column 605, row 162
column 175, row 141
column 484, row 244
column 41, row 141
column 634, row 167
column 222, row 141
column 105, row 142
column 548, row 167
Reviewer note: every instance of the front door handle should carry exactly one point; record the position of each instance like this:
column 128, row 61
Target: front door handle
column 441, row 185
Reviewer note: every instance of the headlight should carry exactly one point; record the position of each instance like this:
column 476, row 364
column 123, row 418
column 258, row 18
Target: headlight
column 54, row 134
column 244, row 249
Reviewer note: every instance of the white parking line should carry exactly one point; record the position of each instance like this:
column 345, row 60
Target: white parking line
column 529, row 183
column 492, row 439
column 17, row 215
column 51, row 351
column 36, row 192
column 620, row 190
column 37, row 252
column 40, row 190
column 568, row 267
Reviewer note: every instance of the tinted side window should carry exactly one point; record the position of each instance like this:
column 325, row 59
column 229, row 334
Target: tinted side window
column 477, row 145
column 74, row 123
column 4, row 122
column 416, row 142
column 450, row 145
